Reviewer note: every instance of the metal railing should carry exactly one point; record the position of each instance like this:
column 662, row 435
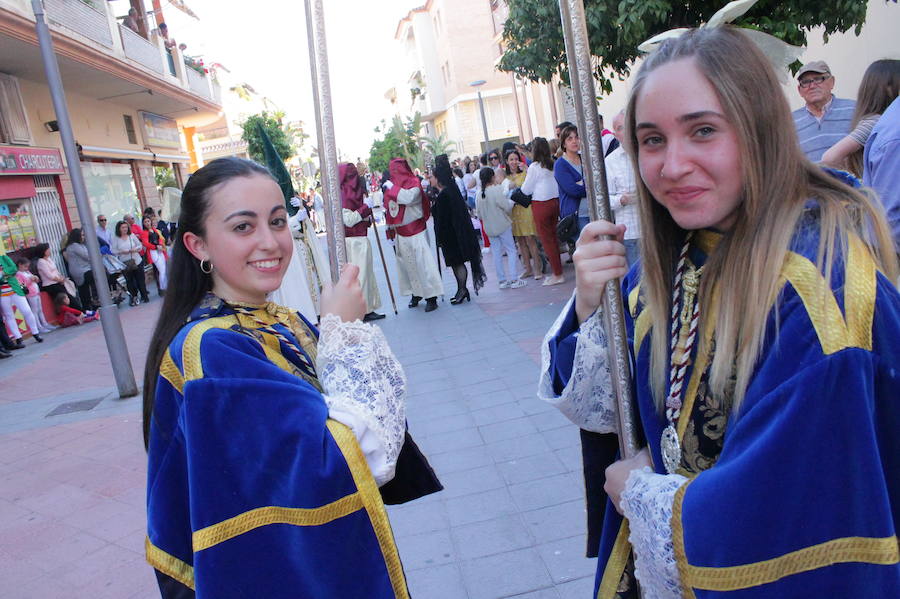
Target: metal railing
column 82, row 18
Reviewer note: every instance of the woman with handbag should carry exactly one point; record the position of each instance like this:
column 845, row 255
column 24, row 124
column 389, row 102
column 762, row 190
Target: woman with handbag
column 52, row 281
column 127, row 248
column 541, row 186
column 523, row 229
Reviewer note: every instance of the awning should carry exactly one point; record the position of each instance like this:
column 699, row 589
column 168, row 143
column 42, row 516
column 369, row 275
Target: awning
column 125, row 154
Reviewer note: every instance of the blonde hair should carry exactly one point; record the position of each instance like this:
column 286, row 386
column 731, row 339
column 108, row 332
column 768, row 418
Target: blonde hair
column 743, row 274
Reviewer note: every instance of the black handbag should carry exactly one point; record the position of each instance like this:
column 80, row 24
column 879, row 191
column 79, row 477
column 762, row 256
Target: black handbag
column 567, row 228
column 519, row 197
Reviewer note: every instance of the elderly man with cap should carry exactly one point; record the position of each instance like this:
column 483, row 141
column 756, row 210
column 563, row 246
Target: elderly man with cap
column 825, row 119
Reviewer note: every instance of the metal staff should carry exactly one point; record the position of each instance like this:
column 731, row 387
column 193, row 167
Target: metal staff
column 384, row 264
column 581, row 74
column 328, row 166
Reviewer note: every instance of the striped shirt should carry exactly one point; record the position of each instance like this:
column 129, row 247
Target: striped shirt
column 818, row 134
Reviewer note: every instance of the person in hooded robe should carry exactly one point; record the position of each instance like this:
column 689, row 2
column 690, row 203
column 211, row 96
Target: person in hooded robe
column 454, row 231
column 357, row 217
column 301, row 287
column 407, row 212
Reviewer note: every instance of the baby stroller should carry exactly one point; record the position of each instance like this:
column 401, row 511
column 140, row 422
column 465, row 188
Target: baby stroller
column 114, row 277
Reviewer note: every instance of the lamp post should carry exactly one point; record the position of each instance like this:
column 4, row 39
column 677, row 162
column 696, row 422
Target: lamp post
column 476, row 85
column 112, row 326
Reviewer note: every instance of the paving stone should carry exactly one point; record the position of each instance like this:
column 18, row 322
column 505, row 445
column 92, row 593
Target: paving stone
column 545, row 492
column 438, row 582
column 519, row 447
column 577, row 589
column 559, row 521
column 491, row 536
column 445, row 425
column 479, row 507
column 505, row 574
column 509, row 429
column 565, row 558
column 466, row 482
column 562, row 437
column 426, row 549
column 463, row 459
column 416, row 518
column 529, row 468
column 452, row 441
column 498, row 413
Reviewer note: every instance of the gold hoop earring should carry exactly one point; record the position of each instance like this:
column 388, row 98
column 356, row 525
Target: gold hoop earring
column 204, row 270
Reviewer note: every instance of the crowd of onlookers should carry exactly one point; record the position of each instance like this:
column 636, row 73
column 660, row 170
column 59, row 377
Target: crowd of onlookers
column 33, row 284
column 528, row 201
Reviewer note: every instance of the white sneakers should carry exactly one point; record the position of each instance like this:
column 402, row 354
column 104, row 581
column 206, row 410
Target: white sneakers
column 513, row 284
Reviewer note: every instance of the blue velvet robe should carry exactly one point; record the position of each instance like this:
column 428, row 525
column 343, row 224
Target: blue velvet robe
column 804, row 499
column 252, row 491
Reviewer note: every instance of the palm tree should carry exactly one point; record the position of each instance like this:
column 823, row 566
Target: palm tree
column 437, row 145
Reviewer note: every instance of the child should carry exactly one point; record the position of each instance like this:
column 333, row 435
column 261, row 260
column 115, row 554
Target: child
column 494, row 209
column 69, row 316
column 29, row 282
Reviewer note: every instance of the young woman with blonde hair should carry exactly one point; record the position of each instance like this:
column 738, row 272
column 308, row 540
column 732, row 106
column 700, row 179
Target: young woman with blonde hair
column 765, row 331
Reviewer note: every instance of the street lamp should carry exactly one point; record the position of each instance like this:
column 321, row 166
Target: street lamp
column 476, row 85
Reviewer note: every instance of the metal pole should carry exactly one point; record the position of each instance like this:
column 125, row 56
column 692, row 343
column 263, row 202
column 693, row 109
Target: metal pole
column 581, row 74
column 109, row 312
column 487, row 140
column 328, row 166
column 387, row 277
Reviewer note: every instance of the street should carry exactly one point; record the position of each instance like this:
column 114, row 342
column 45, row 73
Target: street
column 510, row 522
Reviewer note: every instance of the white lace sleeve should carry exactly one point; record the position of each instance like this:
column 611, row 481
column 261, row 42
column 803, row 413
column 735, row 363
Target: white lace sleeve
column 362, row 378
column 647, row 503
column 587, row 399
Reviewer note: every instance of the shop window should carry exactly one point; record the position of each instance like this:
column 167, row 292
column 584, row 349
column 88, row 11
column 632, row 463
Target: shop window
column 129, row 129
column 111, row 189
column 17, row 227
column 13, row 121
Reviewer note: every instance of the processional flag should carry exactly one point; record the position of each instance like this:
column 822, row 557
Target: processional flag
column 276, row 166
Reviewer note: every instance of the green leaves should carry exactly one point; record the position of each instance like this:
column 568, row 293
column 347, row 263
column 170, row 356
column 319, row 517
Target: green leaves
column 283, row 137
column 532, row 35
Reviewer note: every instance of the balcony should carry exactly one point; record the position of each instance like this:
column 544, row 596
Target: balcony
column 101, row 58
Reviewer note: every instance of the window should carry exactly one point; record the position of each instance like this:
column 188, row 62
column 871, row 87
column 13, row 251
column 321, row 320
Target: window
column 445, row 71
column 17, row 230
column 13, row 120
column 501, row 114
column 111, row 189
column 129, row 129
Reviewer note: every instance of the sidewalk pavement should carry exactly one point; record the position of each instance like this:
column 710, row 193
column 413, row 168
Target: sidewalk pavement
column 510, row 522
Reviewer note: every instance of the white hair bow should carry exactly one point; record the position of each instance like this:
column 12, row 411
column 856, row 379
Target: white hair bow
column 779, row 53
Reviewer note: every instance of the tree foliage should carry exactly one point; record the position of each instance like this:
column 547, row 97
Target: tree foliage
column 281, row 134
column 401, row 140
column 535, row 48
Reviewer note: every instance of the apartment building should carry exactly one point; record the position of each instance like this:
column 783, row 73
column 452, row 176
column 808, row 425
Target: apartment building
column 135, row 102
column 446, row 47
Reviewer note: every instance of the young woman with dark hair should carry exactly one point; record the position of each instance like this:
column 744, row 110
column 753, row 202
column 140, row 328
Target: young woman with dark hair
column 541, row 186
column 267, row 439
column 454, row 231
column 523, row 228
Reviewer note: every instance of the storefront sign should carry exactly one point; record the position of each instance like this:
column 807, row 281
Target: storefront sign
column 159, row 131
column 25, row 160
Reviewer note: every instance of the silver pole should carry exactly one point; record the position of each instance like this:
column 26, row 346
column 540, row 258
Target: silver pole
column 328, row 164
column 581, row 73
column 109, row 312
column 487, row 140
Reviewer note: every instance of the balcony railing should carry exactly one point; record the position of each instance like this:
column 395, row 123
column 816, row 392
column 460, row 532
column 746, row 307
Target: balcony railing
column 82, row 18
column 94, row 21
column 197, row 83
column 140, row 50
